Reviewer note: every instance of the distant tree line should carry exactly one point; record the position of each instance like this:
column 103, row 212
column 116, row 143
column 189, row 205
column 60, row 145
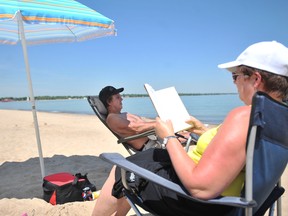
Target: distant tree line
column 41, row 98
column 84, row 97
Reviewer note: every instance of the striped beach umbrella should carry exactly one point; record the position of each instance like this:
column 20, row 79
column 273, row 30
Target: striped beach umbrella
column 48, row 21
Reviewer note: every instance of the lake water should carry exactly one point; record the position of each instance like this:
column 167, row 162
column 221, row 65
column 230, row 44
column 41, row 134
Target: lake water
column 210, row 109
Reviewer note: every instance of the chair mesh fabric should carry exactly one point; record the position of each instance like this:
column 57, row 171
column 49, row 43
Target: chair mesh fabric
column 271, row 146
column 99, row 105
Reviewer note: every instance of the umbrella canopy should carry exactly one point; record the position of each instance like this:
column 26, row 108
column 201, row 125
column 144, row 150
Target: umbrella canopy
column 48, row 21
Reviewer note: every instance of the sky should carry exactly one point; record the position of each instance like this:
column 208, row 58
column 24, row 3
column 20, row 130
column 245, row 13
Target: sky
column 161, row 42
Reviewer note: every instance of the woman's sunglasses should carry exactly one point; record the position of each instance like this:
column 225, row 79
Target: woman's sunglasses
column 235, row 76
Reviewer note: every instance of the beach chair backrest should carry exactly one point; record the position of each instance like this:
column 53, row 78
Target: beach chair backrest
column 98, row 107
column 268, row 129
column 100, row 110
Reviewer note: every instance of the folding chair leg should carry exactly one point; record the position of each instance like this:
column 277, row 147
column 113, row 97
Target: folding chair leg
column 279, row 207
column 271, row 210
column 126, row 194
column 270, row 202
column 134, row 207
column 249, row 212
column 188, row 144
column 279, row 202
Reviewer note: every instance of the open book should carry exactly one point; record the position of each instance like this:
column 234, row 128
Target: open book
column 169, row 105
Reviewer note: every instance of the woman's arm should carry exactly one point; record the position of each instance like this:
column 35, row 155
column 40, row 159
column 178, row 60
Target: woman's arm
column 222, row 161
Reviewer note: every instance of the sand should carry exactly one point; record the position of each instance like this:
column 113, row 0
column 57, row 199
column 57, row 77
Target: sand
column 70, row 143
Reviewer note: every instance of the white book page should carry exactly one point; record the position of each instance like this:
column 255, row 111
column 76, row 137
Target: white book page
column 169, row 105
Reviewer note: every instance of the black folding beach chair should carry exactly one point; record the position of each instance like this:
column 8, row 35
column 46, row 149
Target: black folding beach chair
column 101, row 112
column 267, row 156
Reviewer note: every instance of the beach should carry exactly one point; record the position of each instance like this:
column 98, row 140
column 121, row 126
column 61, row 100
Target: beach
column 70, row 143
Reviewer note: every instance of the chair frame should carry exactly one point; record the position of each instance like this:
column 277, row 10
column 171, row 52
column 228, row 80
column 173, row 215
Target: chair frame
column 246, row 203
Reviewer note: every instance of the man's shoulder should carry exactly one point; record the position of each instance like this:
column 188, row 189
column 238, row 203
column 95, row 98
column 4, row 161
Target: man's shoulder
column 116, row 115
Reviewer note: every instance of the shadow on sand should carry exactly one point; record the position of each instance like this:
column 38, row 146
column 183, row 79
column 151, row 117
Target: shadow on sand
column 23, row 179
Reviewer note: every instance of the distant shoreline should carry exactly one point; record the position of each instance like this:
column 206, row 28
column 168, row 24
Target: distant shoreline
column 207, row 108
column 10, row 99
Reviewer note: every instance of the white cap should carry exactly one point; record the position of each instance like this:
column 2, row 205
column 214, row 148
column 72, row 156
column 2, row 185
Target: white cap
column 269, row 56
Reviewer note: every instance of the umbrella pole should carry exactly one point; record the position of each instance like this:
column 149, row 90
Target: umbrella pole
column 32, row 99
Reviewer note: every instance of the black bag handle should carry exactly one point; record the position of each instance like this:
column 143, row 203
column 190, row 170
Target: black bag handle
column 80, row 176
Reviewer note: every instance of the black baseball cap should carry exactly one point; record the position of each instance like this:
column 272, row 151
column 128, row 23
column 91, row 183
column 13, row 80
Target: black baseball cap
column 107, row 92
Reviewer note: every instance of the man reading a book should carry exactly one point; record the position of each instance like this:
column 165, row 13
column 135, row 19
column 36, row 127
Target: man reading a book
column 126, row 124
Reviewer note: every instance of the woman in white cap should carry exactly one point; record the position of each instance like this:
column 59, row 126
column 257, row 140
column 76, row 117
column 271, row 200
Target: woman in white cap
column 220, row 171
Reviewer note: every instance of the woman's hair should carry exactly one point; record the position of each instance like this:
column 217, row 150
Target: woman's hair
column 272, row 82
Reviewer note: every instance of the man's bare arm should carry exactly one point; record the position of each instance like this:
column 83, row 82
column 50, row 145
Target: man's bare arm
column 126, row 124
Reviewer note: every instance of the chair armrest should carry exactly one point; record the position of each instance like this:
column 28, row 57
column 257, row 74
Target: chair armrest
column 137, row 136
column 120, row 161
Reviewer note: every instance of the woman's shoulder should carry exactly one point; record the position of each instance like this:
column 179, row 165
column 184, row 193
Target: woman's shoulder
column 240, row 112
column 237, row 116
